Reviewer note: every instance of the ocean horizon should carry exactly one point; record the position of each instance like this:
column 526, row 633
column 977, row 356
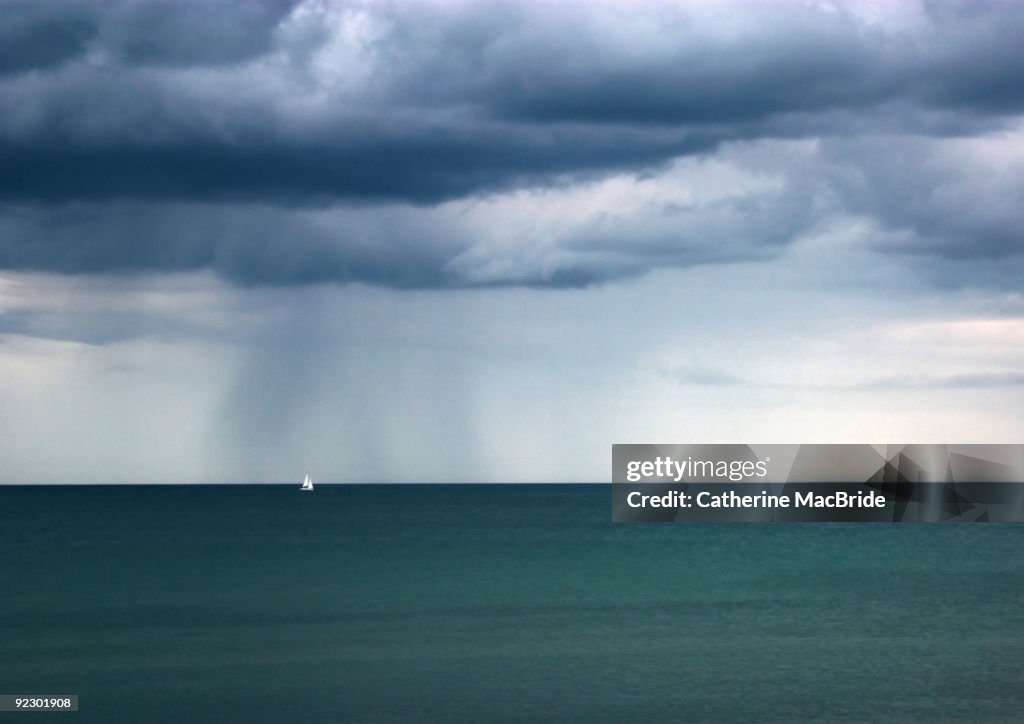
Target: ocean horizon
column 493, row 602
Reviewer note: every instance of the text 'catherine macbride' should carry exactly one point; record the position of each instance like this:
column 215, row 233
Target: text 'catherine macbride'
column 732, row 499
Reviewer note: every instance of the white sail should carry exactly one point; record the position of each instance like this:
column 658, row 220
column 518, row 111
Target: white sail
column 307, row 484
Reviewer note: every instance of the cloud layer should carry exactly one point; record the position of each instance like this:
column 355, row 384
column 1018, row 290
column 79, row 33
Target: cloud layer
column 461, row 144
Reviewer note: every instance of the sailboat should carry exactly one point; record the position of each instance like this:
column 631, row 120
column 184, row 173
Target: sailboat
column 307, row 484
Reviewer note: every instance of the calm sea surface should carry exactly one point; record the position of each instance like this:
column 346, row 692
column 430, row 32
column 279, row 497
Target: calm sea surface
column 494, row 603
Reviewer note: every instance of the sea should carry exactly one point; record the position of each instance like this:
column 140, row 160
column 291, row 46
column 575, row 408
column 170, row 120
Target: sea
column 493, row 603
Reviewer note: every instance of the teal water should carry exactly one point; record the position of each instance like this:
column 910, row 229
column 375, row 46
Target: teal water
column 494, row 603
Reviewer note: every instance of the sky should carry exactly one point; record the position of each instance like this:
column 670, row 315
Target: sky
column 484, row 241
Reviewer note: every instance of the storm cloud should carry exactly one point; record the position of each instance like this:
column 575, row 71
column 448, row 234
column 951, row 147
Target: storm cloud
column 422, row 145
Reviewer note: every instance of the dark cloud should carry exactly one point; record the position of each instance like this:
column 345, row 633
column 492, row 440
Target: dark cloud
column 39, row 35
column 959, row 200
column 403, row 246
column 142, row 32
column 40, row 43
column 246, row 244
column 382, row 167
column 435, row 101
column 182, row 136
column 921, row 198
column 667, row 64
